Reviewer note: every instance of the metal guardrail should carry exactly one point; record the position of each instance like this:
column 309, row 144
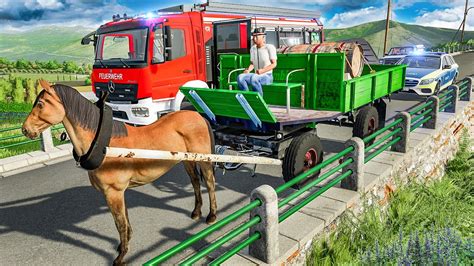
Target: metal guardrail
column 13, row 134
column 394, row 135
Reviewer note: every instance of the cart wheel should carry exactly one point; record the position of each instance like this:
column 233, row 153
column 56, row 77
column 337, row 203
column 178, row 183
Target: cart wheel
column 367, row 122
column 304, row 153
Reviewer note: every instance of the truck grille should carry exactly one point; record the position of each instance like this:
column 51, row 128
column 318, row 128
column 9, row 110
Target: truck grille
column 123, row 92
column 411, row 82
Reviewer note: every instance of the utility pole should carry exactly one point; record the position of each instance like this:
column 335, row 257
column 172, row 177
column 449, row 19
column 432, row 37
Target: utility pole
column 387, row 26
column 464, row 21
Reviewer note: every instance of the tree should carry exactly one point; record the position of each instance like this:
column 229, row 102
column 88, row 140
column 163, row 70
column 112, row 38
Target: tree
column 18, row 91
column 52, row 64
column 22, row 64
column 70, row 67
column 4, row 63
column 30, row 91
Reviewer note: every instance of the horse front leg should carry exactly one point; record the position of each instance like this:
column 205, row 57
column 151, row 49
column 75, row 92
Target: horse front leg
column 116, row 202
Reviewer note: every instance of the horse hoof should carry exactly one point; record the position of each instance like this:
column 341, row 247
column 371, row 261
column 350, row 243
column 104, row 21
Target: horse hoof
column 196, row 216
column 118, row 262
column 211, row 219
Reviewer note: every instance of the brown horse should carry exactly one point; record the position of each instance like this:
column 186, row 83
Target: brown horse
column 183, row 131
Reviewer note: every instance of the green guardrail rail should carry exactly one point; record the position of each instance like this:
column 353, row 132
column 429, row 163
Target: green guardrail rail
column 20, row 136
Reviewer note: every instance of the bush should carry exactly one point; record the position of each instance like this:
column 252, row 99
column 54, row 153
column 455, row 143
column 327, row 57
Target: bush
column 5, row 89
column 434, row 247
column 18, row 91
column 30, row 91
column 88, row 81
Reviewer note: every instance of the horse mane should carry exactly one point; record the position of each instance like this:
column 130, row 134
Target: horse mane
column 83, row 112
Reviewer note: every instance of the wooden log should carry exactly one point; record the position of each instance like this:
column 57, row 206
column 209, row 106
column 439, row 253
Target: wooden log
column 187, row 156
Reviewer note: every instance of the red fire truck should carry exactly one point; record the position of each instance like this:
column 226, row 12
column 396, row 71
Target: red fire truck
column 145, row 59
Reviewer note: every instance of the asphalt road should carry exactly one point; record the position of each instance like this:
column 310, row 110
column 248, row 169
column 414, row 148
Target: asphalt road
column 53, row 216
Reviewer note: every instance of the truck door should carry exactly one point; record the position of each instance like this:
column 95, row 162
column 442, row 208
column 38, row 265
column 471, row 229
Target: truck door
column 169, row 75
column 230, row 36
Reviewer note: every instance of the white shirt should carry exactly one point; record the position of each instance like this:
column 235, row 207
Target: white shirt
column 265, row 55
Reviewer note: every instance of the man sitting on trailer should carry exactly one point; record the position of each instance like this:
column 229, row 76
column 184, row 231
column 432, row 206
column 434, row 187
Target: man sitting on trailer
column 263, row 58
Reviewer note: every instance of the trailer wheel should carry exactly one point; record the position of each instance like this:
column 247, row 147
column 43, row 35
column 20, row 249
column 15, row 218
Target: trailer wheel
column 304, row 153
column 367, row 122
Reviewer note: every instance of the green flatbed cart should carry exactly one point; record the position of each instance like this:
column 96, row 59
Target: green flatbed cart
column 307, row 89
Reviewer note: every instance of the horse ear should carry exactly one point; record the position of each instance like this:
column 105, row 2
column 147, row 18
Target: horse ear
column 45, row 85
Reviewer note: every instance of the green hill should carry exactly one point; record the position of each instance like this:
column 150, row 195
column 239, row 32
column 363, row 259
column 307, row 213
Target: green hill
column 64, row 43
column 47, row 43
column 399, row 34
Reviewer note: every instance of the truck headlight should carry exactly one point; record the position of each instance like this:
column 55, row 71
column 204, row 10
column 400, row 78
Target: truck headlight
column 427, row 81
column 140, row 111
column 381, row 61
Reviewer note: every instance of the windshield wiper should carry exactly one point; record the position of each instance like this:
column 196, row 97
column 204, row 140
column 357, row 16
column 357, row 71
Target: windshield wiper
column 121, row 60
column 100, row 61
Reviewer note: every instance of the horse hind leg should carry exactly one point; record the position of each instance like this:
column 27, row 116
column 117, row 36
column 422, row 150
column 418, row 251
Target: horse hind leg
column 208, row 173
column 191, row 169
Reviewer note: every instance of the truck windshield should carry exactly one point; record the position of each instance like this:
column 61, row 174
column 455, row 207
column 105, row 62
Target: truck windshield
column 430, row 62
column 122, row 46
column 401, row 51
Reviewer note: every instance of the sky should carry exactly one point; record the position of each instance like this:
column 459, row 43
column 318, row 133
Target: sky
column 22, row 15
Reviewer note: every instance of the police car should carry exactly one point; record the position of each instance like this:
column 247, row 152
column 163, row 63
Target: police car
column 429, row 73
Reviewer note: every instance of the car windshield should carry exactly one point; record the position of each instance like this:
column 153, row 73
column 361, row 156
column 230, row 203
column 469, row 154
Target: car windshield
column 431, row 62
column 401, row 51
column 126, row 46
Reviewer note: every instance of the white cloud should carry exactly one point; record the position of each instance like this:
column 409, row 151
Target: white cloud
column 70, row 13
column 356, row 17
column 446, row 18
column 43, row 4
column 401, row 4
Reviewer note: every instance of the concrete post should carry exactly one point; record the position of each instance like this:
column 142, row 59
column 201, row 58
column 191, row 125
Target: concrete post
column 355, row 181
column 455, row 93
column 402, row 145
column 47, row 140
column 468, row 96
column 266, row 248
column 431, row 124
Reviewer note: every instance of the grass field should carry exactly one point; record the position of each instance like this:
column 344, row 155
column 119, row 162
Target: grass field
column 50, row 76
column 87, row 88
column 423, row 224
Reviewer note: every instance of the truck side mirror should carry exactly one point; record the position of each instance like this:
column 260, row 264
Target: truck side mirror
column 446, row 67
column 88, row 38
column 86, row 41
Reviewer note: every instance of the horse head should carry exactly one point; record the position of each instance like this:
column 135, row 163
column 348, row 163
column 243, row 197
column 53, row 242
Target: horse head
column 47, row 110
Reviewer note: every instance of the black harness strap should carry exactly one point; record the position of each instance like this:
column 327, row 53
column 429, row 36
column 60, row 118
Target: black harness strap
column 96, row 153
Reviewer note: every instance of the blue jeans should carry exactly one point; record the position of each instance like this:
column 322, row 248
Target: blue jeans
column 244, row 80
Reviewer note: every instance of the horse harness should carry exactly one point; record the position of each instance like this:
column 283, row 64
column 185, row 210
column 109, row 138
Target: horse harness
column 96, row 153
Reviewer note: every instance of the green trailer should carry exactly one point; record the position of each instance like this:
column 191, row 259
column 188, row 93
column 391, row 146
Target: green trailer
column 307, row 89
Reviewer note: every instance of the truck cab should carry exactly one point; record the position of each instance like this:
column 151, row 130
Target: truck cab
column 143, row 61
